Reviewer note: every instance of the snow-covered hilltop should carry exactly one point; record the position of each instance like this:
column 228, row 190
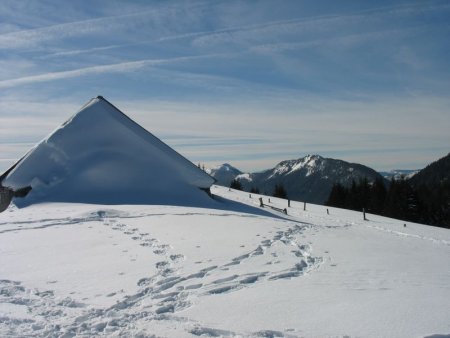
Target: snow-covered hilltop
column 101, row 156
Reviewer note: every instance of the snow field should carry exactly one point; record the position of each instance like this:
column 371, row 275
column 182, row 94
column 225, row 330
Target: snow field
column 90, row 270
column 88, row 262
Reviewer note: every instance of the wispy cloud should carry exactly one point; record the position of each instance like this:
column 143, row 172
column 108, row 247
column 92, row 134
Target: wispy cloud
column 255, row 34
column 13, row 67
column 343, row 40
column 34, row 37
column 252, row 35
column 101, row 69
column 83, row 51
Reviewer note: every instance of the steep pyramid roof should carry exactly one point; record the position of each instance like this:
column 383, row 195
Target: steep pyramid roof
column 102, row 156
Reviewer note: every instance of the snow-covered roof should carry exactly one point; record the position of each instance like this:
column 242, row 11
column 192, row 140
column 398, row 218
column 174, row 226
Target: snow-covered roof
column 102, row 156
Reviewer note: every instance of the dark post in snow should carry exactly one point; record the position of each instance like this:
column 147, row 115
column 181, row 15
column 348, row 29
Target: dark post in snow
column 304, row 206
column 261, row 204
column 289, row 203
column 269, row 200
column 328, row 211
column 285, row 211
column 250, row 195
column 364, row 214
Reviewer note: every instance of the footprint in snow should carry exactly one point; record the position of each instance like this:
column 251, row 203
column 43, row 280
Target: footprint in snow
column 162, row 265
column 176, row 258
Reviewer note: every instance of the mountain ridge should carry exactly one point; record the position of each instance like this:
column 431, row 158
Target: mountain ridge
column 309, row 178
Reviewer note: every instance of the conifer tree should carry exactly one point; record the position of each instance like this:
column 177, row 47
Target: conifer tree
column 377, row 196
column 254, row 190
column 236, row 184
column 338, row 196
column 279, row 191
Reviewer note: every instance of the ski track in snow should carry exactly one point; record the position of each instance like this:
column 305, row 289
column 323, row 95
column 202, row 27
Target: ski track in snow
column 404, row 234
column 96, row 216
column 159, row 297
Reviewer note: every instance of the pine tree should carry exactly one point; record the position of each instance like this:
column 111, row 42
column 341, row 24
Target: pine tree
column 401, row 201
column 353, row 200
column 254, row 190
column 364, row 193
column 338, row 196
column 377, row 197
column 279, row 191
column 236, row 184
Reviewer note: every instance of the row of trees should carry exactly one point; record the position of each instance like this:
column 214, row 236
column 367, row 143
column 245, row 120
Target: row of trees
column 236, row 184
column 359, row 195
column 399, row 199
column 278, row 191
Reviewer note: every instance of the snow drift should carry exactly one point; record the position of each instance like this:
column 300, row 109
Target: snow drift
column 101, row 156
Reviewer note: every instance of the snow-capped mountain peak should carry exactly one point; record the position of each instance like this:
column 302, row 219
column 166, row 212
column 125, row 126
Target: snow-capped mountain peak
column 310, row 163
column 224, row 173
column 222, row 168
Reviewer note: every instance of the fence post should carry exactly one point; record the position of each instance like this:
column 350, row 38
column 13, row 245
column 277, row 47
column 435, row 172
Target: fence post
column 261, row 204
column 364, row 214
column 328, row 211
column 250, row 195
column 289, row 203
column 269, row 200
column 304, row 206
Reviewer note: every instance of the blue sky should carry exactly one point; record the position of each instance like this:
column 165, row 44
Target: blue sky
column 245, row 82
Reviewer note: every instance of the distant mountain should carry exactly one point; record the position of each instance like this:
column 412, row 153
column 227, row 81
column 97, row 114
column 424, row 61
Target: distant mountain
column 224, row 174
column 309, row 178
column 397, row 174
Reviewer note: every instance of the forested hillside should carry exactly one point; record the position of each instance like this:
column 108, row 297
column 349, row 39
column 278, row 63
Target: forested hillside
column 425, row 198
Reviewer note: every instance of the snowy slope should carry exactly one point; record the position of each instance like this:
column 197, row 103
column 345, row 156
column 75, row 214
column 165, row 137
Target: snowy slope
column 101, row 156
column 132, row 270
